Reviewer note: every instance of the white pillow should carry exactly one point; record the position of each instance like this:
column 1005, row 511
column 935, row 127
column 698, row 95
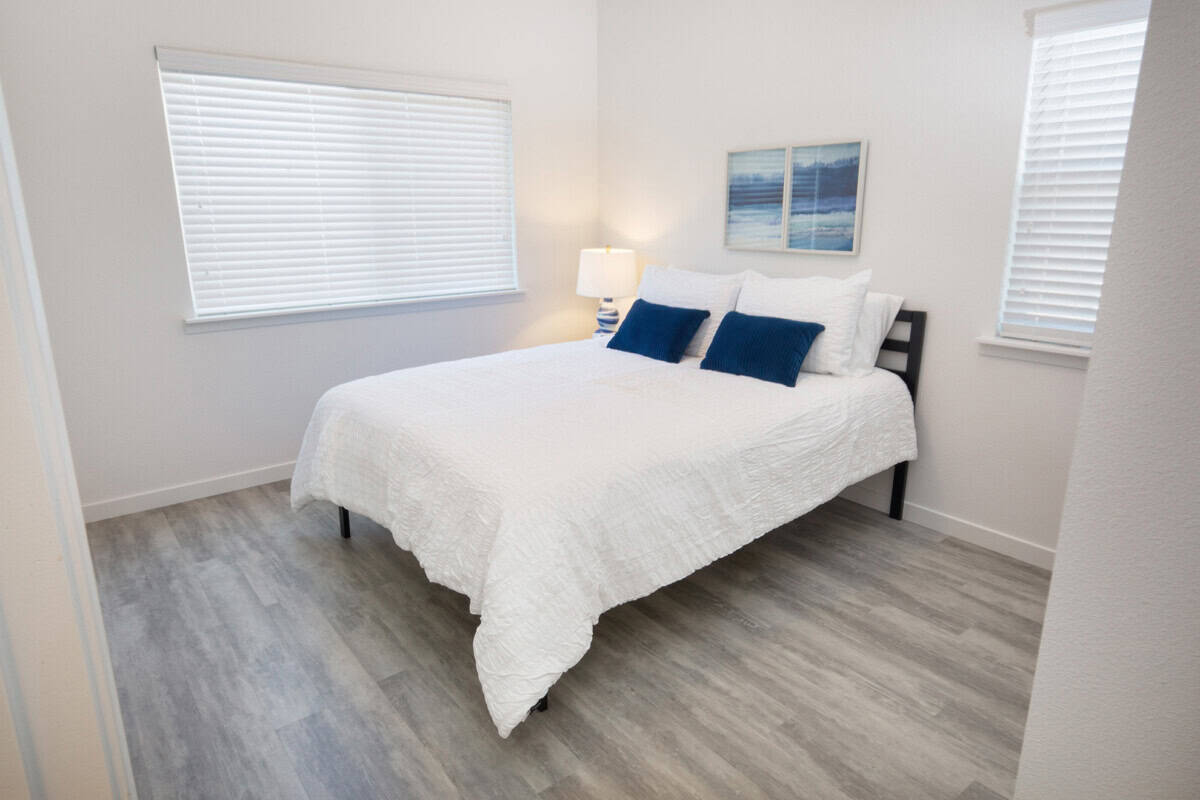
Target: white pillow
column 834, row 303
column 686, row 289
column 878, row 315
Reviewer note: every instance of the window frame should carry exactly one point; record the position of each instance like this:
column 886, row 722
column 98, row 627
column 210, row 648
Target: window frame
column 171, row 59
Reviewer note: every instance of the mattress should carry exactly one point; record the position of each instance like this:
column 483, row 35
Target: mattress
column 552, row 483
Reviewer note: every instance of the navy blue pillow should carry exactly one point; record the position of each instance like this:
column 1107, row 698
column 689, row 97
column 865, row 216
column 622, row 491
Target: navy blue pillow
column 661, row 332
column 768, row 348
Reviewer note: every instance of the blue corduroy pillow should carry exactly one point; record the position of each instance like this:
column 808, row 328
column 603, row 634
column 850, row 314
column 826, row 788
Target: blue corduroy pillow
column 656, row 331
column 768, row 348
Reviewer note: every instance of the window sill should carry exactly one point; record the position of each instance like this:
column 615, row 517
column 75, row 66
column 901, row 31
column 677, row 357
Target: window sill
column 258, row 319
column 1039, row 352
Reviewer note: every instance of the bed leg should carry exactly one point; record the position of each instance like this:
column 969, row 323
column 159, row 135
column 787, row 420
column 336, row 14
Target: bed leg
column 899, row 478
column 344, row 522
column 542, row 704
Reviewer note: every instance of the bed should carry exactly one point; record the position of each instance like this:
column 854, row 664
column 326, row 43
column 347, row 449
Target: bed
column 553, row 483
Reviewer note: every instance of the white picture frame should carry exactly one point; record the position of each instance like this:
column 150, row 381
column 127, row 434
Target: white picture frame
column 761, row 203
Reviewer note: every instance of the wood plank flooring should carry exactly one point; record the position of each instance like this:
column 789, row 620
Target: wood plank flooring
column 259, row 655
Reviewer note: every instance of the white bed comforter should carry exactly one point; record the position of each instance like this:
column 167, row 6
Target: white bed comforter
column 553, row 483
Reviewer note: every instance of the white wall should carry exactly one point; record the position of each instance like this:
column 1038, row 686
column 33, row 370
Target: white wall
column 147, row 405
column 60, row 727
column 1115, row 711
column 937, row 86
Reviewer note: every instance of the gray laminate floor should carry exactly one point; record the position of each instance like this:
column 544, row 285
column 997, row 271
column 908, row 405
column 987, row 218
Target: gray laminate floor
column 259, row 655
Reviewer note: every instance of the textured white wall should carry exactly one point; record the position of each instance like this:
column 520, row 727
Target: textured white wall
column 937, row 86
column 1115, row 712
column 13, row 783
column 60, row 729
column 149, row 406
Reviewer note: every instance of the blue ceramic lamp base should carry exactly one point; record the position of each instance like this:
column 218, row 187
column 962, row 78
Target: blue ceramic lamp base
column 606, row 318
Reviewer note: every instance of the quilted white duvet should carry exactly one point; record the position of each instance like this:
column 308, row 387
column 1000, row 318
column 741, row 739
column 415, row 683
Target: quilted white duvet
column 553, row 483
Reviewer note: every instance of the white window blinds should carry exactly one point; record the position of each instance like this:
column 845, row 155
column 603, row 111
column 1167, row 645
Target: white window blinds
column 303, row 187
column 1082, row 83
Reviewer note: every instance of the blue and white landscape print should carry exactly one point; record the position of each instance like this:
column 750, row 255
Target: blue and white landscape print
column 754, row 215
column 824, row 197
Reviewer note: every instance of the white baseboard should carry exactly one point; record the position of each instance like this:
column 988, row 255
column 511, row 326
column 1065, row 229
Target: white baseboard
column 1009, row 545
column 182, row 492
column 990, row 538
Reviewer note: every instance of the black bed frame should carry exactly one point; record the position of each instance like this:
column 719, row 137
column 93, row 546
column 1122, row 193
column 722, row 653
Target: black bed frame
column 911, row 347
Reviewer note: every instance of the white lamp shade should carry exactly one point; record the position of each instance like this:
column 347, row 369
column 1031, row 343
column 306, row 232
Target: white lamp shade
column 606, row 272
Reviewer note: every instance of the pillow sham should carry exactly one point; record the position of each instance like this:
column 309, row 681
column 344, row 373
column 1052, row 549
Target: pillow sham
column 877, row 317
column 684, row 288
column 767, row 348
column 657, row 331
column 831, row 302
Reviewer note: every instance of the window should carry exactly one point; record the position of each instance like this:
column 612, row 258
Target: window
column 1082, row 83
column 310, row 188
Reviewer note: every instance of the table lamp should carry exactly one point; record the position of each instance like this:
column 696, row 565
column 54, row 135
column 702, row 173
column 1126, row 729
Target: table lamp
column 606, row 272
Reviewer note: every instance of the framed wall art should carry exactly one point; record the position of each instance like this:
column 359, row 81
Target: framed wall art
column 800, row 198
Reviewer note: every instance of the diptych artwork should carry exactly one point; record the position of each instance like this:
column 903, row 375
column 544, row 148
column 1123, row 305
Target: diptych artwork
column 805, row 198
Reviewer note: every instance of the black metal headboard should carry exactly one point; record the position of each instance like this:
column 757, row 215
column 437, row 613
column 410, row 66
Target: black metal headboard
column 912, row 348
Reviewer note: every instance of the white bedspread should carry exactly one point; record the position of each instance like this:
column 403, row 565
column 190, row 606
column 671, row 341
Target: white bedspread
column 553, row 483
